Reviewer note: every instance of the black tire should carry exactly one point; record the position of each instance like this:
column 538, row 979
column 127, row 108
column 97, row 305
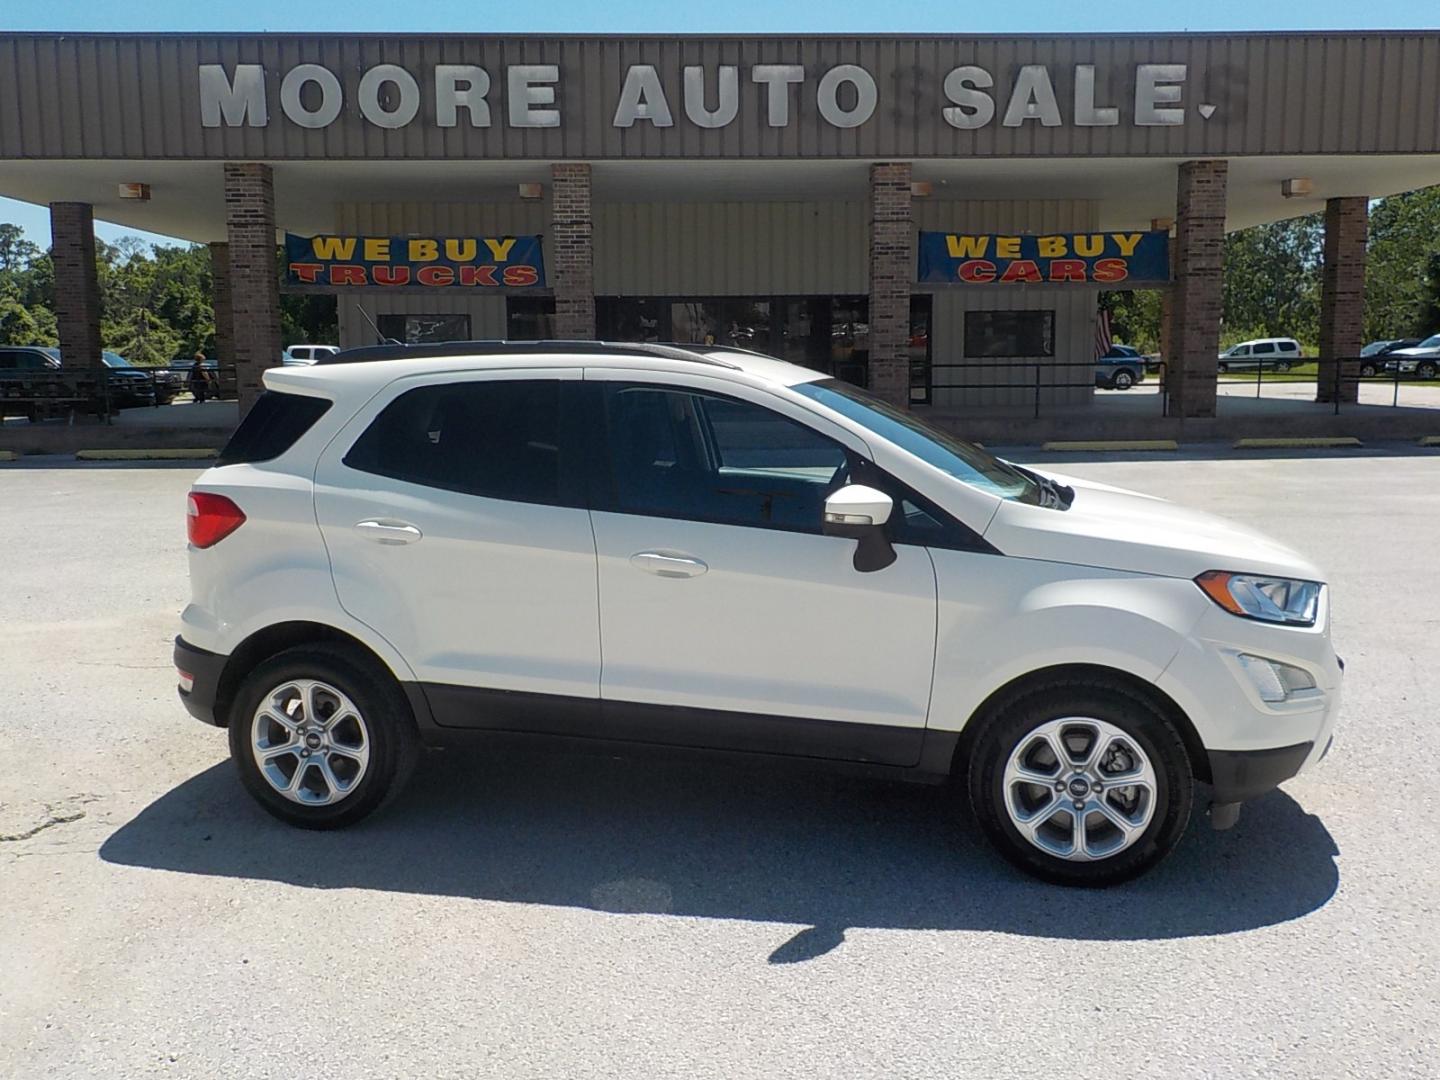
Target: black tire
column 1224, row 369
column 1123, row 380
column 1282, row 365
column 393, row 740
column 1368, row 371
column 1425, row 369
column 1005, row 727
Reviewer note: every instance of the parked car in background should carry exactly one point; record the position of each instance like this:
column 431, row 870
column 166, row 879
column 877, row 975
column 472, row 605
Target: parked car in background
column 306, row 354
column 1422, row 359
column 1271, row 354
column 1120, row 368
column 137, row 386
column 1153, row 363
column 1372, row 362
column 23, row 371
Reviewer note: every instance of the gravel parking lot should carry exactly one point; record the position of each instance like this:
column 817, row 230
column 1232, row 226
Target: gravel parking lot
column 520, row 915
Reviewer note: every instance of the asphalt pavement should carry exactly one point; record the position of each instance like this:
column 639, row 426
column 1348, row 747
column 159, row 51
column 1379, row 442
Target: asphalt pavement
column 519, row 914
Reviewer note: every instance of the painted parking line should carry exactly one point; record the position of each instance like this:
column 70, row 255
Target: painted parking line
column 1113, row 444
column 1297, row 443
column 144, row 455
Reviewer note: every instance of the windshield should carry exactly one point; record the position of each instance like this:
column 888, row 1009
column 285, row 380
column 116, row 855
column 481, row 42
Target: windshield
column 962, row 460
column 1375, row 347
column 1431, row 342
column 114, row 359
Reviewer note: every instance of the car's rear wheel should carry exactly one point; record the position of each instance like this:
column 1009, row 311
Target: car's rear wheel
column 1224, row 369
column 1282, row 365
column 1123, row 380
column 1368, row 371
column 321, row 739
column 1081, row 783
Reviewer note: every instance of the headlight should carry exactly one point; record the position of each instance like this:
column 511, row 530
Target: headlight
column 1269, row 599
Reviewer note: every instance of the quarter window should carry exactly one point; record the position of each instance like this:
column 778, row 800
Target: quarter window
column 707, row 458
column 499, row 439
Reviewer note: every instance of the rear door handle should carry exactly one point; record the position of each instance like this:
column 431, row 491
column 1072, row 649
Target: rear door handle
column 667, row 564
column 388, row 532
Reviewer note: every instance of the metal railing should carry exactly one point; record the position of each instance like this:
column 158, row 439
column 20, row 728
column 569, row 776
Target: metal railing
column 1036, row 384
column 42, row 394
column 1335, row 373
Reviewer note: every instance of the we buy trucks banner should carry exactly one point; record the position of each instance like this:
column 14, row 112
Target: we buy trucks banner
column 1117, row 259
column 435, row 262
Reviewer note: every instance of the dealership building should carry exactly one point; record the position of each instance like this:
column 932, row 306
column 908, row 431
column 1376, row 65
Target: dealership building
column 934, row 217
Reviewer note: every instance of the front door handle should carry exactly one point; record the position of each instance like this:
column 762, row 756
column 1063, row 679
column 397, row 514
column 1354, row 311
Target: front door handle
column 667, row 564
column 388, row 531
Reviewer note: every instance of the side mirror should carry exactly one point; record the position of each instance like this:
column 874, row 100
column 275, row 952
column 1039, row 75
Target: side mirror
column 859, row 513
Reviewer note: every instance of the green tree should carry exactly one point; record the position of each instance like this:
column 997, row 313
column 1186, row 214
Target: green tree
column 1272, row 281
column 1404, row 238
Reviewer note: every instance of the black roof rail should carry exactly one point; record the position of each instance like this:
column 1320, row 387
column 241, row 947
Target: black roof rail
column 521, row 348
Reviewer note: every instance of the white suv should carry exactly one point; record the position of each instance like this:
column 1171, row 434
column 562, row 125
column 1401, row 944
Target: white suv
column 711, row 548
column 1277, row 354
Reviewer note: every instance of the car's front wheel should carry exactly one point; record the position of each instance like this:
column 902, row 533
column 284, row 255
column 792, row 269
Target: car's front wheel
column 1082, row 783
column 1425, row 369
column 321, row 739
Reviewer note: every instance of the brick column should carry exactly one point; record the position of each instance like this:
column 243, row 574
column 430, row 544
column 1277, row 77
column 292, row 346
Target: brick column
column 1342, row 295
column 77, row 290
column 891, row 268
column 254, row 279
column 573, row 272
column 220, row 291
column 1197, row 301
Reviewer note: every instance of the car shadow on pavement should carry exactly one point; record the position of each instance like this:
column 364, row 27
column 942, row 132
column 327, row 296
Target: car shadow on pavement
column 728, row 840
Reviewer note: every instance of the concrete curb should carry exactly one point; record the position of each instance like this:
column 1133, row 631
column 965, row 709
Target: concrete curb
column 1113, row 444
column 1297, row 443
column 144, row 455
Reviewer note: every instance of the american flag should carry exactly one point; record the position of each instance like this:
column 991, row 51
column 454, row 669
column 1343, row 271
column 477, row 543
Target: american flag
column 1102, row 333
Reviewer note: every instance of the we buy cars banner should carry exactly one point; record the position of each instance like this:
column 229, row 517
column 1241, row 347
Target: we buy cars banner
column 1119, row 259
column 435, row 262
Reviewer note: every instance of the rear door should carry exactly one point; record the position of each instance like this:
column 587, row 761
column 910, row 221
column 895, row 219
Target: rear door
column 456, row 528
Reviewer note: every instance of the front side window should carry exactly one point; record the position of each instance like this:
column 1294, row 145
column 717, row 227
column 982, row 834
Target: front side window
column 495, row 438
column 701, row 457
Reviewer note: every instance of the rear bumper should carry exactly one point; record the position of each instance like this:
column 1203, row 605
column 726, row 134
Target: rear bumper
column 203, row 670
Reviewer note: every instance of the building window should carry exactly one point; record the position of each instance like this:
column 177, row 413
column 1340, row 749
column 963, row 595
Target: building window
column 424, row 329
column 990, row 334
column 529, row 318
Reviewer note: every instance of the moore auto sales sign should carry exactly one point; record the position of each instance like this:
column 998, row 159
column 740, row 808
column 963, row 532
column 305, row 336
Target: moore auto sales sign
column 844, row 95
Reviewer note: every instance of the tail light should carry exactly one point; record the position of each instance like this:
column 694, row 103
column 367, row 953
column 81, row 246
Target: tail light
column 209, row 518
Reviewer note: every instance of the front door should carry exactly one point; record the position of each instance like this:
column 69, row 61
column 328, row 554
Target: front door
column 456, row 528
column 719, row 595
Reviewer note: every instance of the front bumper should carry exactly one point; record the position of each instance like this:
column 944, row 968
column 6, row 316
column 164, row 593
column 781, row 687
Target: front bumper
column 1238, row 775
column 202, row 670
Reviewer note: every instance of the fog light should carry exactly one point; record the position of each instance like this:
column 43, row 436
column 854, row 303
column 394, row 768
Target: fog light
column 1274, row 681
column 187, row 682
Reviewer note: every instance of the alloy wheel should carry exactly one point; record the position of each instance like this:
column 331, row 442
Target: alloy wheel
column 310, row 742
column 1080, row 789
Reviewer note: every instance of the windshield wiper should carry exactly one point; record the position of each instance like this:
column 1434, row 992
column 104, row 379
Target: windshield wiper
column 1053, row 496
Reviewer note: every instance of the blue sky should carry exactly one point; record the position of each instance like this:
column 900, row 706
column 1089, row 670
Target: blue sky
column 732, row 17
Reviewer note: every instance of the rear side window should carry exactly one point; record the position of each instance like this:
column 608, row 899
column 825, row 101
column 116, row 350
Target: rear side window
column 498, row 439
column 1289, row 346
column 274, row 424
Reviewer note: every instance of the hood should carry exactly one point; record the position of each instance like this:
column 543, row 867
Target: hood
column 1115, row 529
column 1415, row 350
